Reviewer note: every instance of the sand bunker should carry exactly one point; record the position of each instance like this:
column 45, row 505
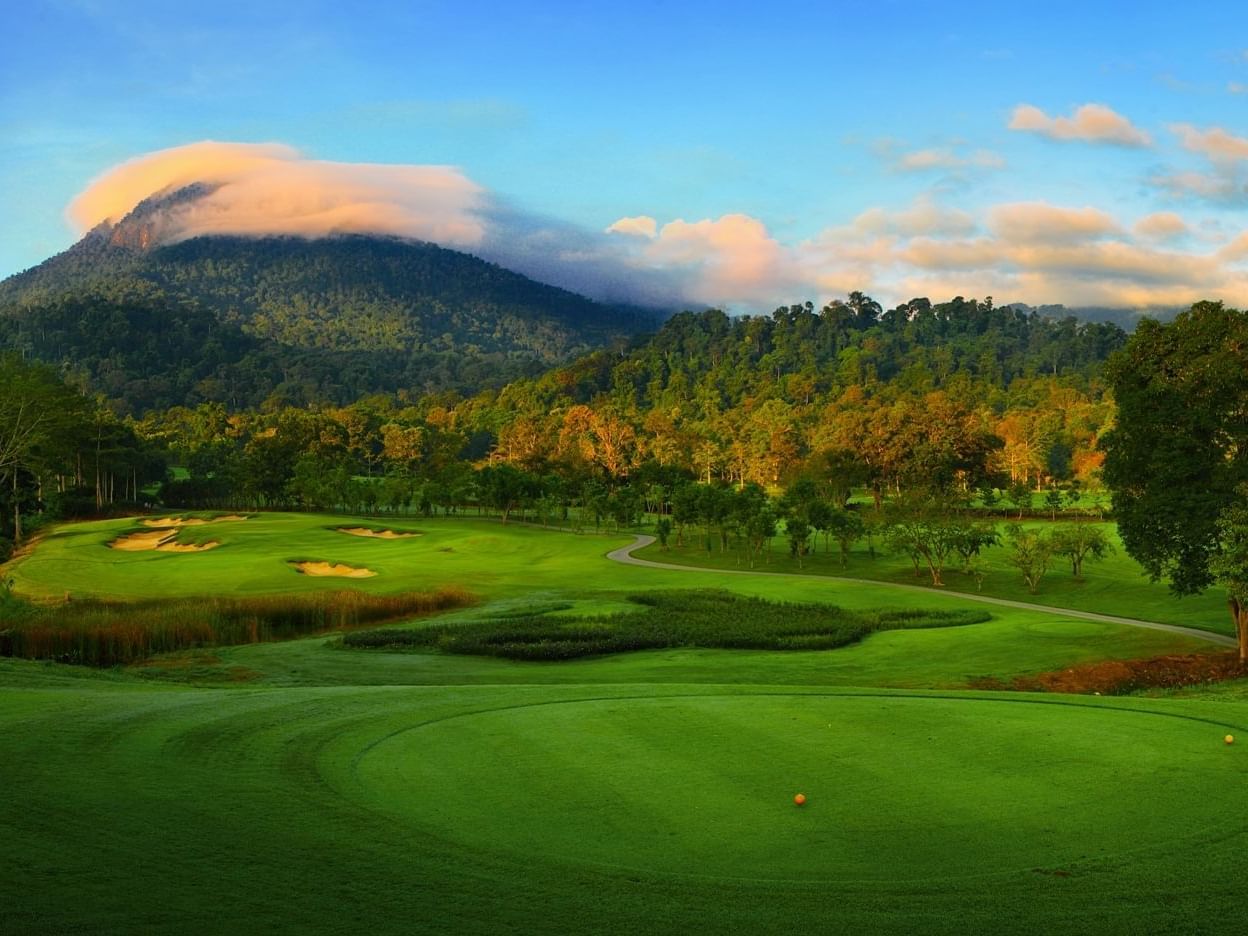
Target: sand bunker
column 375, row 534
column 162, row 540
column 166, row 522
column 327, row 568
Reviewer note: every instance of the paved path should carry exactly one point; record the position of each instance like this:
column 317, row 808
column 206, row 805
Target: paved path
column 625, row 555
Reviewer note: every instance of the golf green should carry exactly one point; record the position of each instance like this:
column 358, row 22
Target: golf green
column 900, row 788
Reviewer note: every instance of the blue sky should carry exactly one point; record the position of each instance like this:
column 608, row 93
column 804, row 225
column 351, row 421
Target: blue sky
column 847, row 144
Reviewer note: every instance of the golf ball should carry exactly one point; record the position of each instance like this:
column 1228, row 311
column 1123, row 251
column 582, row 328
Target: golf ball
column 1229, row 739
column 800, row 799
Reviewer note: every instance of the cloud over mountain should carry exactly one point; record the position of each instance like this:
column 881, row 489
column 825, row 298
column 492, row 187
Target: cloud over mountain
column 1032, row 251
column 259, row 189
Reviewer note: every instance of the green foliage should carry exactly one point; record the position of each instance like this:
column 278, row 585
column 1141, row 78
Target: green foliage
column 243, row 320
column 54, row 442
column 663, row 530
column 1030, row 551
column 926, row 530
column 1175, row 457
column 700, row 618
column 1229, row 566
column 1079, row 542
column 798, row 532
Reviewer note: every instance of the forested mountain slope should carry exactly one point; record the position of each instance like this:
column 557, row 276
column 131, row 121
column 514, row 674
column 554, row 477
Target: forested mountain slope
column 237, row 319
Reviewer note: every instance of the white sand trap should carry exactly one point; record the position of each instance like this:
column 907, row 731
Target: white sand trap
column 166, row 522
column 162, row 540
column 188, row 547
column 328, row 568
column 376, row 534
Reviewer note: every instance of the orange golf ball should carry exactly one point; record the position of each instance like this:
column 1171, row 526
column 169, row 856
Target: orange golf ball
column 800, row 799
column 1229, row 739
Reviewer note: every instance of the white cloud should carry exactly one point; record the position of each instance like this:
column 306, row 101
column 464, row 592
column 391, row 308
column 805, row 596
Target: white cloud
column 1032, row 222
column 271, row 189
column 1031, row 251
column 258, row 189
column 730, row 261
column 637, row 226
column 1215, row 144
column 1216, row 187
column 1093, row 123
column 1161, row 226
column 925, row 216
column 945, row 158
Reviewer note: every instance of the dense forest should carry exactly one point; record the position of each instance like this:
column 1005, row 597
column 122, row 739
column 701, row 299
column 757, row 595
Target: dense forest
column 950, row 398
column 271, row 321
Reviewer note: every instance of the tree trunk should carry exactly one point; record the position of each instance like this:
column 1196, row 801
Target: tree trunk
column 17, row 511
column 1240, row 613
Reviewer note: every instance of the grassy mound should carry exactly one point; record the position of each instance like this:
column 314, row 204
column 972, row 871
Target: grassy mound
column 899, row 788
column 598, row 808
column 678, row 618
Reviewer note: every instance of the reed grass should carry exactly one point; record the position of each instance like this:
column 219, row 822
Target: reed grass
column 109, row 633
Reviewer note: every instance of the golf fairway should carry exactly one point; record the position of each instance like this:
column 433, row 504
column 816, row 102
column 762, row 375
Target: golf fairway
column 302, row 787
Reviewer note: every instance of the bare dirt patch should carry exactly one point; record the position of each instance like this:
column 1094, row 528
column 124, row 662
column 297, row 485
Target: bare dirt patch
column 162, row 540
column 338, row 570
column 1118, row 677
column 376, row 534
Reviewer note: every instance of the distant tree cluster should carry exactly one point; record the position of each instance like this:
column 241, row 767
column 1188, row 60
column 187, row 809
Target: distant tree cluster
column 61, row 454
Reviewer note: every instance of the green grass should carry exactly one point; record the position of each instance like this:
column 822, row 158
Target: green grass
column 609, row 809
column 1116, row 585
column 299, row 787
column 480, row 555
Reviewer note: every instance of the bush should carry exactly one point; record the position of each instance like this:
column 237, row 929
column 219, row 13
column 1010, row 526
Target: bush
column 698, row 618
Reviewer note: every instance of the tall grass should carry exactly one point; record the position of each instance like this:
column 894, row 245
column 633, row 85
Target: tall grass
column 698, row 618
column 103, row 633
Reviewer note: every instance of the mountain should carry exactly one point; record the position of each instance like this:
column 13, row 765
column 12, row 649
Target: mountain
column 156, row 323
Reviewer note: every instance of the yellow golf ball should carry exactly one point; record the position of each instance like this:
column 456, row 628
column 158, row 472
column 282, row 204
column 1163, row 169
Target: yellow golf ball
column 1229, row 739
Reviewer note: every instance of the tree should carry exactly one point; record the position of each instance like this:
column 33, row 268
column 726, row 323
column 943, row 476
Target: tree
column 847, row 527
column 926, row 529
column 1230, row 565
column 1030, row 553
column 39, row 415
column 969, row 538
column 1054, row 500
column 1019, row 494
column 663, row 530
column 798, row 531
column 1175, row 459
column 504, row 487
column 1079, row 542
column 821, row 516
column 759, row 530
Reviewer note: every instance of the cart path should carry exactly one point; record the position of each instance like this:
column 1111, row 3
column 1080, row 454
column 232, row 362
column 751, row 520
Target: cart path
column 625, row 555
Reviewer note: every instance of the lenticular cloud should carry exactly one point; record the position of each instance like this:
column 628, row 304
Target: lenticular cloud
column 267, row 189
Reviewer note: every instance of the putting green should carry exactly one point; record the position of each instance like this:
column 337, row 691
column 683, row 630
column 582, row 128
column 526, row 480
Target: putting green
column 900, row 788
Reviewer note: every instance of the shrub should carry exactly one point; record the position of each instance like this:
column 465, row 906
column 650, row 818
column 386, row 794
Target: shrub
column 697, row 618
